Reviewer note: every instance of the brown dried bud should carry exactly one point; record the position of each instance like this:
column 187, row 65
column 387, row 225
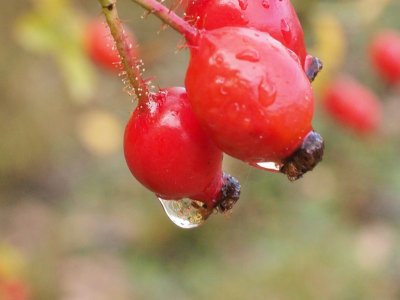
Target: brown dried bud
column 305, row 158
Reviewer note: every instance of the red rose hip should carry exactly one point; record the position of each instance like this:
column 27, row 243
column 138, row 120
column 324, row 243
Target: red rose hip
column 276, row 17
column 385, row 55
column 99, row 45
column 353, row 105
column 250, row 94
column 170, row 154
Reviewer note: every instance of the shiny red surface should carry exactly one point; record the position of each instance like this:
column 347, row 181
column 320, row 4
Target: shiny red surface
column 169, row 153
column 276, row 17
column 250, row 93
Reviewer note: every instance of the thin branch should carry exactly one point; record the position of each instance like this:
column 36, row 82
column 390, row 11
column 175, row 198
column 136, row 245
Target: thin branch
column 169, row 18
column 125, row 49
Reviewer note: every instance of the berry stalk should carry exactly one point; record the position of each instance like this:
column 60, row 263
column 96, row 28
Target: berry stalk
column 169, row 17
column 125, row 49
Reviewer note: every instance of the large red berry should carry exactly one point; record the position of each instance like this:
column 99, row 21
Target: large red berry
column 385, row 55
column 276, row 17
column 250, row 94
column 169, row 153
column 353, row 105
column 100, row 45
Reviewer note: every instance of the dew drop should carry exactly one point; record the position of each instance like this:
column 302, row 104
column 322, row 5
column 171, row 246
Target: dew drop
column 243, row 4
column 249, row 55
column 219, row 59
column 265, row 3
column 286, row 31
column 185, row 213
column 222, row 87
column 266, row 93
column 268, row 166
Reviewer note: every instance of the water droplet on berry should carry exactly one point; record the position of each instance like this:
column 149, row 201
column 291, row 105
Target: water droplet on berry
column 251, row 55
column 219, row 59
column 185, row 213
column 265, row 3
column 266, row 93
column 221, row 82
column 293, row 55
column 286, row 31
column 243, row 4
column 268, row 166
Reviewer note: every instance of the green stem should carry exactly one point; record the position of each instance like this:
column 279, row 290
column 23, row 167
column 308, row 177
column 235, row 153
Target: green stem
column 125, row 49
column 169, row 18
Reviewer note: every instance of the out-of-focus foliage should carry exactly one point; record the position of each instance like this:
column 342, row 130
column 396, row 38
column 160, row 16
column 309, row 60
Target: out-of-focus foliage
column 80, row 227
column 54, row 28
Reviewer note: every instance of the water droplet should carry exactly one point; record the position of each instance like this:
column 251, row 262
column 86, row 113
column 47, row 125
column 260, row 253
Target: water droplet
column 266, row 93
column 243, row 4
column 293, row 55
column 268, row 166
column 249, row 55
column 219, row 80
column 219, row 59
column 286, row 31
column 245, row 19
column 185, row 213
column 265, row 3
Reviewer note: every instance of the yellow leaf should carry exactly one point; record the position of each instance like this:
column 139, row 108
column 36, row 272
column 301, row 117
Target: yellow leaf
column 11, row 262
column 330, row 47
column 100, row 132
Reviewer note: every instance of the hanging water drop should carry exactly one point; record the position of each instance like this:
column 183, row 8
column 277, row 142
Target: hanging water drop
column 185, row 213
column 268, row 166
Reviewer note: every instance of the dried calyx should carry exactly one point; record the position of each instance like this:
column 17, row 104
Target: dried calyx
column 305, row 158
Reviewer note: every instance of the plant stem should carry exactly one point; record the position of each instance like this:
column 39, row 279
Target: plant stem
column 170, row 18
column 125, row 49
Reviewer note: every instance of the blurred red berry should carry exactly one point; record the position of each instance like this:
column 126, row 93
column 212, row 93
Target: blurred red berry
column 353, row 105
column 13, row 290
column 276, row 17
column 100, row 45
column 385, row 55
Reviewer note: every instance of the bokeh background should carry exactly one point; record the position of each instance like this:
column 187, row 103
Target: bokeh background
column 74, row 223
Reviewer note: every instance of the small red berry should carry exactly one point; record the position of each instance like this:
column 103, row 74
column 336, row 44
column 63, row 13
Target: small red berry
column 385, row 55
column 250, row 94
column 353, row 105
column 276, row 17
column 100, row 45
column 13, row 290
column 169, row 153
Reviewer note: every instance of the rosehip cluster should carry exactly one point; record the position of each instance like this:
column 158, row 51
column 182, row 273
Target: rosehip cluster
column 248, row 94
column 247, row 85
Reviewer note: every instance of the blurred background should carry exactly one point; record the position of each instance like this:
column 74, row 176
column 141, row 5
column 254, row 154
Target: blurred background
column 75, row 224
